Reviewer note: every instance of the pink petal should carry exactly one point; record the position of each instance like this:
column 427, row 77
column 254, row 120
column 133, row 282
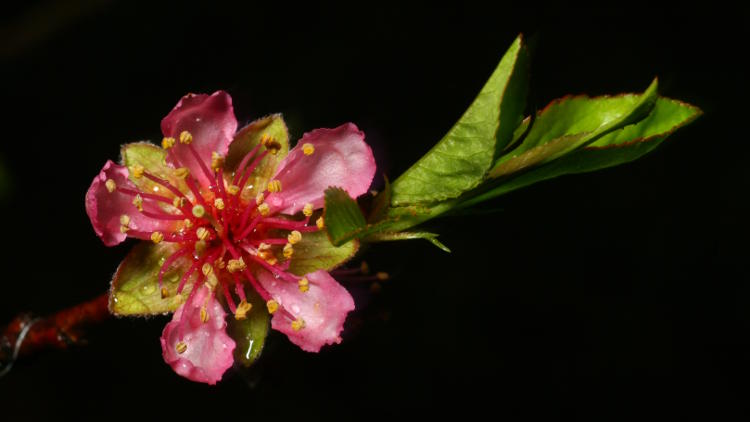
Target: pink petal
column 210, row 119
column 323, row 308
column 105, row 208
column 341, row 158
column 209, row 349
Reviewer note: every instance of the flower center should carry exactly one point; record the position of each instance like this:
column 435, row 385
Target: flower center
column 226, row 236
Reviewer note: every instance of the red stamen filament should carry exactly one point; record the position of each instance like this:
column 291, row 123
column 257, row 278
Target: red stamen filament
column 144, row 195
column 249, row 228
column 162, row 216
column 187, row 275
column 166, row 184
column 228, row 297
column 169, row 261
column 251, row 168
column 204, row 168
column 243, row 163
column 191, row 184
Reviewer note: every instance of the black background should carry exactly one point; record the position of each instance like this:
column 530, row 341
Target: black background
column 611, row 295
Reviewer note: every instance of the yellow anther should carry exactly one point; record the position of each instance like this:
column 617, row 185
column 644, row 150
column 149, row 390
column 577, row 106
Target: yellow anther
column 267, row 255
column 186, row 137
column 204, row 315
column 138, row 202
column 202, row 233
column 382, row 276
column 308, row 210
column 110, row 185
column 271, row 144
column 233, row 189
column 181, row 172
column 219, row 263
column 242, row 309
column 298, row 324
column 320, row 223
column 217, row 161
column 124, row 229
column 308, row 149
column 167, row 142
column 235, row 265
column 219, row 204
column 157, row 237
column 294, row 237
column 188, row 223
column 264, row 209
column 200, row 246
column 260, row 198
column 207, row 269
column 274, row 186
column 181, row 347
column 288, row 250
column 272, row 306
column 304, row 284
column 212, row 281
column 198, row 211
column 164, row 293
column 125, row 220
column 137, row 170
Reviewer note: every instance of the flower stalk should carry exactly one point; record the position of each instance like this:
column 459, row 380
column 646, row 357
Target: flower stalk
column 27, row 334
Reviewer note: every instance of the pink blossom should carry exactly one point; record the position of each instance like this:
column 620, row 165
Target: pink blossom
column 238, row 234
column 195, row 343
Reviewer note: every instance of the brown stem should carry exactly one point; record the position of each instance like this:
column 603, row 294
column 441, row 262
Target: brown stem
column 26, row 334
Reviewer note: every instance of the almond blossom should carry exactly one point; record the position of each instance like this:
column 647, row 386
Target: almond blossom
column 234, row 208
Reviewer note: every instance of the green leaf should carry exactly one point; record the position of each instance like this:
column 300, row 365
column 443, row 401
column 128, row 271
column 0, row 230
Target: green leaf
column 152, row 158
column 460, row 160
column 246, row 139
column 616, row 148
column 571, row 123
column 316, row 252
column 135, row 286
column 387, row 237
column 343, row 218
column 250, row 333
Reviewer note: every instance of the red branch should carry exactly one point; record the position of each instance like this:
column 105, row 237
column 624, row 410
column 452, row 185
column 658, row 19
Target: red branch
column 58, row 331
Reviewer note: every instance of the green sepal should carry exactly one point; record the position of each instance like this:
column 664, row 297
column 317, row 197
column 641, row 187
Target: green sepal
column 135, row 287
column 246, row 139
column 342, row 216
column 388, row 236
column 153, row 160
column 316, row 252
column 616, row 148
column 571, row 123
column 250, row 333
column 459, row 161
